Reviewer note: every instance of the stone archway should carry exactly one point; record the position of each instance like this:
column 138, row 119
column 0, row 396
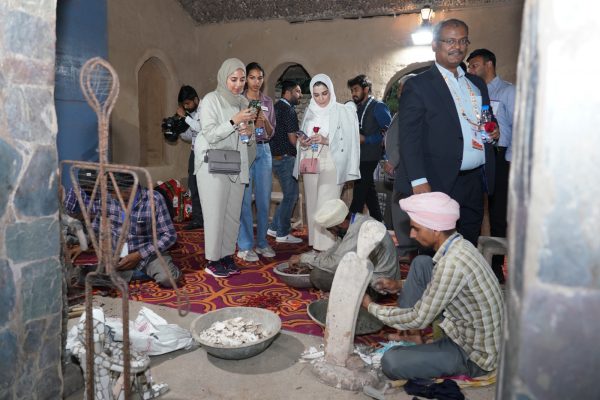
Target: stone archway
column 296, row 72
column 390, row 96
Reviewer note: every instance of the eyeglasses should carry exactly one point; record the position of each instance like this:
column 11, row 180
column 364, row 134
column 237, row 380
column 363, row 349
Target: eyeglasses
column 452, row 42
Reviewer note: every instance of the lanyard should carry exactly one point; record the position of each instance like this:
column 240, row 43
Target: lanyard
column 459, row 100
column 285, row 101
column 365, row 110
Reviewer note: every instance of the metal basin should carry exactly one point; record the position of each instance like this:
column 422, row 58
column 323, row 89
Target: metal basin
column 269, row 320
column 365, row 323
column 300, row 281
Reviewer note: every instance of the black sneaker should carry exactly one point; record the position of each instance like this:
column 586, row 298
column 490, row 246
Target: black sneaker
column 230, row 266
column 216, row 269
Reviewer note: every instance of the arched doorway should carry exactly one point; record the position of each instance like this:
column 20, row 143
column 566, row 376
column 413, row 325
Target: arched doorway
column 152, row 106
column 297, row 73
column 390, row 97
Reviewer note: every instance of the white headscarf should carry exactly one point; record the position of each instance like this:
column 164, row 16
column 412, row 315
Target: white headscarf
column 313, row 106
column 228, row 67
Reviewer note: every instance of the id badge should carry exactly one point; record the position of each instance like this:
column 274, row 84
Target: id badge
column 264, row 108
column 476, row 144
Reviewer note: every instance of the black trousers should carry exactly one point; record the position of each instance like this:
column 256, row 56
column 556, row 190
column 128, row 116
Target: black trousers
column 364, row 191
column 498, row 204
column 468, row 192
column 406, row 245
column 193, row 186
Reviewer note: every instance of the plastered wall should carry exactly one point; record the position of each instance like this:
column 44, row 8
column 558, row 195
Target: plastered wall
column 380, row 47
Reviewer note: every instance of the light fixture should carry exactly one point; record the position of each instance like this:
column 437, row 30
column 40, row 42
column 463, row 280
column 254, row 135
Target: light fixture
column 426, row 13
column 423, row 35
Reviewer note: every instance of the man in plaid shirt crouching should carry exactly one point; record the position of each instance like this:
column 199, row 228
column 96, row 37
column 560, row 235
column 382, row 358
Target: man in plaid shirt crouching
column 457, row 285
column 138, row 257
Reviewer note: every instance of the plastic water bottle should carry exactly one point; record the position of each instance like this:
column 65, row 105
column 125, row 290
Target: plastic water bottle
column 487, row 125
column 315, row 146
column 244, row 137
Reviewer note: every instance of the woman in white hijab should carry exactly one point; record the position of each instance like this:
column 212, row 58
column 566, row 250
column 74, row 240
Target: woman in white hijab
column 223, row 116
column 333, row 138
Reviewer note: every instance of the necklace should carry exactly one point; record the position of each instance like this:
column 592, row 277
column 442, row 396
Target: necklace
column 473, row 97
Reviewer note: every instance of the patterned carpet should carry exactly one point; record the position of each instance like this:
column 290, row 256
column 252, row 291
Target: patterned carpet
column 257, row 285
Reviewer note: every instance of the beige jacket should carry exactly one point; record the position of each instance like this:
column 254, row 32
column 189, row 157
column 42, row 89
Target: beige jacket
column 218, row 133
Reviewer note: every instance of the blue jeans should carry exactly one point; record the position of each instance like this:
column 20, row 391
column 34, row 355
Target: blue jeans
column 284, row 169
column 261, row 179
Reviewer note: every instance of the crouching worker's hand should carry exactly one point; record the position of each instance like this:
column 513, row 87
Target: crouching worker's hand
column 130, row 261
column 366, row 301
column 387, row 285
column 294, row 260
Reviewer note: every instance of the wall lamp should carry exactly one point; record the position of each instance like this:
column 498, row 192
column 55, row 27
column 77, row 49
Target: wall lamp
column 423, row 35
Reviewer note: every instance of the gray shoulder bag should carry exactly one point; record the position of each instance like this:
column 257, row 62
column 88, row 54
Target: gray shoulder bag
column 222, row 161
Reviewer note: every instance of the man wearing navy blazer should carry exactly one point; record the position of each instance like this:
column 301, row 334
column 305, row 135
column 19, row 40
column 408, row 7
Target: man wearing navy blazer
column 440, row 143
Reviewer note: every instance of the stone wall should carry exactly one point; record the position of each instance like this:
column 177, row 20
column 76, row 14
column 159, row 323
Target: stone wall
column 30, row 272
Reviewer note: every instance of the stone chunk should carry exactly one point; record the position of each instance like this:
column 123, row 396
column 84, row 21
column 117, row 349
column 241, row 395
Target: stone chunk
column 7, row 294
column 10, row 165
column 32, row 241
column 28, row 35
column 37, row 192
column 10, row 356
column 40, row 283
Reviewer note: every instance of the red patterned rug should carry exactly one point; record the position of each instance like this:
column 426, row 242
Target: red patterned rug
column 257, row 285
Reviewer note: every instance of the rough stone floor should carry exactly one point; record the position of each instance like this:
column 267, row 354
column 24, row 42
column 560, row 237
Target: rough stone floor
column 275, row 374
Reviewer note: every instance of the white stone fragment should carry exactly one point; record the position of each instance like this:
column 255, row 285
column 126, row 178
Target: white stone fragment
column 233, row 332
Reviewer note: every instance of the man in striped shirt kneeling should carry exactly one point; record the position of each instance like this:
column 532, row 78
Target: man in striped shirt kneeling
column 456, row 285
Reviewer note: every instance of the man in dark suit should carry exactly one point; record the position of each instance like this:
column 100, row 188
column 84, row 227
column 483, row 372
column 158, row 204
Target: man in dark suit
column 440, row 142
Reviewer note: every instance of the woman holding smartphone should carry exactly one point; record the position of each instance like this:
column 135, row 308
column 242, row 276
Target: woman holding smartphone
column 224, row 118
column 260, row 171
column 332, row 137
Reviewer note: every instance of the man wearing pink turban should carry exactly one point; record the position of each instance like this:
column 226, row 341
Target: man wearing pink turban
column 456, row 284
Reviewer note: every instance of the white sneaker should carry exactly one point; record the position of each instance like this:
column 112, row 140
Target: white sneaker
column 266, row 251
column 247, row 255
column 272, row 233
column 288, row 239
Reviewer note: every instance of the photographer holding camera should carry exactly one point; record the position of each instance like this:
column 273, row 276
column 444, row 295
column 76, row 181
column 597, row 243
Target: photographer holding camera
column 189, row 112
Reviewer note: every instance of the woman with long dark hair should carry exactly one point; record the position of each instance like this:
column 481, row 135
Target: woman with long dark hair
column 260, row 181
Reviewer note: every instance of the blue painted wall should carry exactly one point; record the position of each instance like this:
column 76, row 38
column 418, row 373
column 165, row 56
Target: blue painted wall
column 81, row 31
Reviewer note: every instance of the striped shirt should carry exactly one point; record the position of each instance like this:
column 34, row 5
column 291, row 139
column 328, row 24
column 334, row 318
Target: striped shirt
column 465, row 291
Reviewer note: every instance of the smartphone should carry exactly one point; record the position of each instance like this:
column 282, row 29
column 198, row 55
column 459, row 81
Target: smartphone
column 302, row 135
column 255, row 105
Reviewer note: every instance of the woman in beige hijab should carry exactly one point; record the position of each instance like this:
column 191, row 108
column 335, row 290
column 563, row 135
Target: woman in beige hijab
column 332, row 137
column 223, row 117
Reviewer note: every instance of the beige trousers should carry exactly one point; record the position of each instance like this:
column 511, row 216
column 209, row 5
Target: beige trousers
column 318, row 188
column 221, row 201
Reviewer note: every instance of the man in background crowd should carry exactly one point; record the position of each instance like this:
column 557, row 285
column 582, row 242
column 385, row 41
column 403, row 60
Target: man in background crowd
column 283, row 152
column 373, row 119
column 482, row 63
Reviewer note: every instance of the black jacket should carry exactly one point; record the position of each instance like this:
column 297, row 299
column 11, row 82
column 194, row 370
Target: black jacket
column 430, row 136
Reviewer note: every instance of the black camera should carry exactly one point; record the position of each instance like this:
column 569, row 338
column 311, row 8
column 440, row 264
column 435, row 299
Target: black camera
column 173, row 126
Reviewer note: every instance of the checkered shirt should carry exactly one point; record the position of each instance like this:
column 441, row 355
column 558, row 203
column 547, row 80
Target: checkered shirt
column 72, row 206
column 465, row 291
column 139, row 237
